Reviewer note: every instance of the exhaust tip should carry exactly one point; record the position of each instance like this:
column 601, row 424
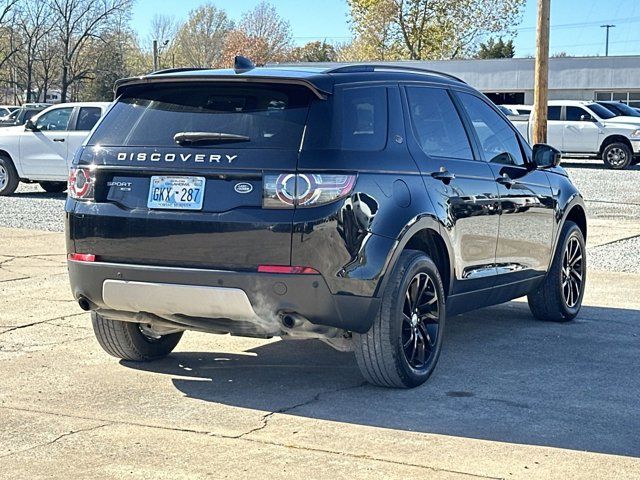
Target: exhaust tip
column 288, row 321
column 84, row 304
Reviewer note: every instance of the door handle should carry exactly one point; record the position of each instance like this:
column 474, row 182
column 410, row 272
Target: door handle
column 505, row 180
column 443, row 175
column 58, row 139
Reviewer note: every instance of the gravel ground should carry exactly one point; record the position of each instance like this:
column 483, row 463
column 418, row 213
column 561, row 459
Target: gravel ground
column 609, row 195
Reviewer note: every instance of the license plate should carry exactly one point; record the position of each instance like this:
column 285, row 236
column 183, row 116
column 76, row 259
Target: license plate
column 177, row 193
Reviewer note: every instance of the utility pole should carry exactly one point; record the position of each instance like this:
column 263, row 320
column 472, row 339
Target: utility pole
column 155, row 55
column 541, row 86
column 606, row 48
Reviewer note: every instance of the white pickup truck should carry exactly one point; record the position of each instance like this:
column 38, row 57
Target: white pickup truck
column 42, row 149
column 588, row 130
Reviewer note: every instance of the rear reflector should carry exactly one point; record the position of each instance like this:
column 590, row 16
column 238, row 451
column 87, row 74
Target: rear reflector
column 285, row 269
column 82, row 257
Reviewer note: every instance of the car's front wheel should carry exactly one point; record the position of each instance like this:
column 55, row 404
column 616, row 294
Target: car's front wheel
column 54, row 187
column 617, row 156
column 402, row 347
column 559, row 297
column 132, row 341
column 8, row 176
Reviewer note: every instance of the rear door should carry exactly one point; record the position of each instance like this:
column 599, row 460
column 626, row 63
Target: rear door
column 555, row 127
column 136, row 152
column 461, row 187
column 43, row 153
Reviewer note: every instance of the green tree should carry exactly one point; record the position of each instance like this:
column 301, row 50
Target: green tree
column 431, row 29
column 499, row 49
column 315, row 52
column 200, row 41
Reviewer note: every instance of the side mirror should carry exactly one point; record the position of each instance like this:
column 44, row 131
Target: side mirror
column 545, row 156
column 587, row 118
column 30, row 125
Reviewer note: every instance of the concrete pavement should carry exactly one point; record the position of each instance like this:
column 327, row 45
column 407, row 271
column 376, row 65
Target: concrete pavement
column 511, row 397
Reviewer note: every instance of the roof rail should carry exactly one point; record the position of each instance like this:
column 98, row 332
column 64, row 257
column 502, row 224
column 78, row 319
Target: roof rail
column 178, row 70
column 371, row 67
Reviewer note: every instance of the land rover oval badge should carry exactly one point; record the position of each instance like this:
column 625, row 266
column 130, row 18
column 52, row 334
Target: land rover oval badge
column 243, row 187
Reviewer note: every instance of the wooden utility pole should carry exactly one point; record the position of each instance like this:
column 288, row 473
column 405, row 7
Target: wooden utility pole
column 155, row 55
column 541, row 86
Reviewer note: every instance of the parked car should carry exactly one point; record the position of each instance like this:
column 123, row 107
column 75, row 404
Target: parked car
column 7, row 110
column 42, row 150
column 620, row 109
column 357, row 204
column 521, row 109
column 22, row 114
column 589, row 130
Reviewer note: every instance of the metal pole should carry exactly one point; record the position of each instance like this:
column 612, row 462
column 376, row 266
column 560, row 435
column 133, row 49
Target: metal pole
column 541, row 87
column 155, row 55
column 606, row 48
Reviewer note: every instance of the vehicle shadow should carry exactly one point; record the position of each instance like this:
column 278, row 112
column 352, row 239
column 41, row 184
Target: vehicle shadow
column 592, row 165
column 40, row 195
column 502, row 376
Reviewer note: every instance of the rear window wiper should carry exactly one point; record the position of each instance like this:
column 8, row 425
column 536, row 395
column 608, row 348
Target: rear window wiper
column 190, row 138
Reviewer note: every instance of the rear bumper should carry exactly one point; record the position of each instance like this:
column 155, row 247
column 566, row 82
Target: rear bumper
column 225, row 298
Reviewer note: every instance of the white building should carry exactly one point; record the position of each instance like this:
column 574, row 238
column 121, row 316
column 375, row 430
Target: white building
column 510, row 80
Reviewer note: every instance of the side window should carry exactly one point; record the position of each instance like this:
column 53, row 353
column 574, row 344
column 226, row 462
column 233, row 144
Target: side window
column 437, row 124
column 497, row 139
column 553, row 113
column 364, row 118
column 57, row 119
column 88, row 117
column 577, row 114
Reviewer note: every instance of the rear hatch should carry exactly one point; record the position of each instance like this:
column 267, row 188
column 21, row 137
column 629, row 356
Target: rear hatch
column 179, row 171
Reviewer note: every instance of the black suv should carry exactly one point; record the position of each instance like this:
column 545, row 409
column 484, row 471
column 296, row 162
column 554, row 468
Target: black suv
column 360, row 205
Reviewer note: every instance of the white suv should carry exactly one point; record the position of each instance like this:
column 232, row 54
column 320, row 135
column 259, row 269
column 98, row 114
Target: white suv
column 587, row 129
column 42, row 149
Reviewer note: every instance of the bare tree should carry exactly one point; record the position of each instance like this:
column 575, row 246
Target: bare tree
column 268, row 32
column 8, row 44
column 33, row 25
column 77, row 23
column 200, row 41
column 164, row 29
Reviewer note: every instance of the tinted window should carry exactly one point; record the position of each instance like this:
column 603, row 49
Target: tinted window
column 57, row 119
column 553, row 112
column 437, row 124
column 88, row 117
column 576, row 114
column 354, row 118
column 272, row 116
column 497, row 139
column 600, row 111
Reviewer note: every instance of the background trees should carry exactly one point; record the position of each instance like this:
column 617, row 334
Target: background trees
column 78, row 48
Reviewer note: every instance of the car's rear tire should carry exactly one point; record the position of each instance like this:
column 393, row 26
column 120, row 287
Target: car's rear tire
column 402, row 347
column 9, row 179
column 559, row 297
column 617, row 156
column 127, row 341
column 53, row 187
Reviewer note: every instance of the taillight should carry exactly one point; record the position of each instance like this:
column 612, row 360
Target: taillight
column 82, row 257
column 81, row 183
column 305, row 189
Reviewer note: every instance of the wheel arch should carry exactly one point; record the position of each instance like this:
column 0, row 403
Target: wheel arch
column 615, row 139
column 423, row 234
column 577, row 215
column 5, row 153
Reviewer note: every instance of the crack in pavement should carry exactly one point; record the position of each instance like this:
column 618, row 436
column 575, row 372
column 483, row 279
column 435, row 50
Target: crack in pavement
column 51, row 442
column 39, row 322
column 265, row 418
column 255, row 440
column 615, row 241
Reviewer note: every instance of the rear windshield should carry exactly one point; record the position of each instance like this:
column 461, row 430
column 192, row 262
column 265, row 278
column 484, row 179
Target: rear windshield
column 271, row 116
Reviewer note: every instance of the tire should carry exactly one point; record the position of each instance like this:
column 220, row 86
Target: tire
column 125, row 340
column 9, row 179
column 617, row 156
column 382, row 353
column 551, row 301
column 53, row 187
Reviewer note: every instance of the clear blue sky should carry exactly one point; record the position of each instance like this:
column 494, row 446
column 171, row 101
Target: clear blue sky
column 575, row 23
